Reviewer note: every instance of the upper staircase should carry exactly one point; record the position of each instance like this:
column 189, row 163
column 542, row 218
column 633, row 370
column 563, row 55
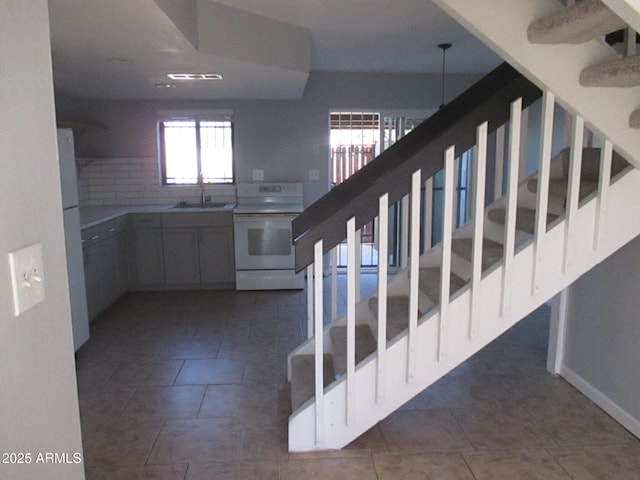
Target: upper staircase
column 528, row 237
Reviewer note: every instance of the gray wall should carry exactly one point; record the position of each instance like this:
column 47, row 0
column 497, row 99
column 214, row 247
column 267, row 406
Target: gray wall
column 603, row 328
column 284, row 138
column 38, row 396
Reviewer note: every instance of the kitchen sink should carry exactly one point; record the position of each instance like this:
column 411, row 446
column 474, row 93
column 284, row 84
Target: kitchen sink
column 203, row 205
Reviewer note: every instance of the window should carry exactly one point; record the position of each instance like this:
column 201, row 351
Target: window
column 196, row 150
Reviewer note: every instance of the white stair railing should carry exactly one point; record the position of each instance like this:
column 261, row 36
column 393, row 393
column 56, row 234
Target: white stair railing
column 363, row 403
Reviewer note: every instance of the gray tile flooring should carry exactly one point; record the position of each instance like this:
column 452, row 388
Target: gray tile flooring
column 192, row 385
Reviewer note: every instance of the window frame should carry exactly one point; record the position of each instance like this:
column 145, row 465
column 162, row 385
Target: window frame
column 198, row 118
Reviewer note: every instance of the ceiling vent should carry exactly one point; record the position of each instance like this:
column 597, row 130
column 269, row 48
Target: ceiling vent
column 194, row 76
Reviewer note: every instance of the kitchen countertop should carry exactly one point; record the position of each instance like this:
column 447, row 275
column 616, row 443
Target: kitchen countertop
column 90, row 216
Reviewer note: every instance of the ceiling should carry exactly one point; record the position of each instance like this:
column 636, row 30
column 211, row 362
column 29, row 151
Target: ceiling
column 265, row 49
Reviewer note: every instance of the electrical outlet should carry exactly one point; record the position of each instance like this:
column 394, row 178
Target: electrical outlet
column 314, row 174
column 27, row 277
column 258, row 175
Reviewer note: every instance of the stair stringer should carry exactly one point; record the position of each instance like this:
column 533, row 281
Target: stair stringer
column 502, row 25
column 622, row 225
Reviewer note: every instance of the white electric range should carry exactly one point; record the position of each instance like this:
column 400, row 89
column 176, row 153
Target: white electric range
column 264, row 252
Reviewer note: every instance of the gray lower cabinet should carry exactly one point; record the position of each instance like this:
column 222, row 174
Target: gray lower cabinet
column 92, row 257
column 181, row 264
column 158, row 251
column 147, row 257
column 198, row 249
column 217, row 260
column 105, row 264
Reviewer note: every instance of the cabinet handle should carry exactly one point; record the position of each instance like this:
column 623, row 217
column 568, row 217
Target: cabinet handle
column 112, row 229
column 95, row 237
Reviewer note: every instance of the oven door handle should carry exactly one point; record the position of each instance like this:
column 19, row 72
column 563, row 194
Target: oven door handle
column 264, row 216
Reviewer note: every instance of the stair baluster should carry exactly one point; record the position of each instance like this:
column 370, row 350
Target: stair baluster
column 414, row 272
column 445, row 268
column 383, row 270
column 512, row 204
column 542, row 200
column 352, row 260
column 318, row 343
column 480, row 157
column 603, row 195
column 573, row 191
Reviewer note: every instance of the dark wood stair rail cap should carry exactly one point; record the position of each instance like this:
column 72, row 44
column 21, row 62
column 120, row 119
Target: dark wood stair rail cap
column 423, row 148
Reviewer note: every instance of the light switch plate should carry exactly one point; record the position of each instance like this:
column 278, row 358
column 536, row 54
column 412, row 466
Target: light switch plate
column 27, row 277
column 314, row 174
column 258, row 175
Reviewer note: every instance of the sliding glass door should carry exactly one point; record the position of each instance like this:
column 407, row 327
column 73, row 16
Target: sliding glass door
column 356, row 139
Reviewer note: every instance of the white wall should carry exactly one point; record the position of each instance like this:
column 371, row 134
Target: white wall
column 38, row 397
column 602, row 347
column 284, row 138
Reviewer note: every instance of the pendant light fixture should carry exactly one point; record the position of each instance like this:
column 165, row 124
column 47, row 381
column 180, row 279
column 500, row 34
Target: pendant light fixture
column 444, row 47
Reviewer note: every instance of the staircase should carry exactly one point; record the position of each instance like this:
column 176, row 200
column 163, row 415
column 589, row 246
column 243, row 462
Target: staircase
column 528, row 237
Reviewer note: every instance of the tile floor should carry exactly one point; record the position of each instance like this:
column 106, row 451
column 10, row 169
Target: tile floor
column 192, row 385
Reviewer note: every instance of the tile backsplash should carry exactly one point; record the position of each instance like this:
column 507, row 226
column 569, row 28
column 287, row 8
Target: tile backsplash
column 135, row 181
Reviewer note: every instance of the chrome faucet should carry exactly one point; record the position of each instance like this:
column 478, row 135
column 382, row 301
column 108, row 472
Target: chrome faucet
column 203, row 197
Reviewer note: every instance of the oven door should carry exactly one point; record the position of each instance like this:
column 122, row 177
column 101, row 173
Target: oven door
column 263, row 241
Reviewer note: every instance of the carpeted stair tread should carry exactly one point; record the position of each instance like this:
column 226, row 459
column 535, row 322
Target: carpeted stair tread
column 525, row 218
column 491, row 251
column 365, row 346
column 303, row 377
column 590, row 163
column 620, row 72
column 397, row 313
column 559, row 186
column 429, row 283
column 580, row 23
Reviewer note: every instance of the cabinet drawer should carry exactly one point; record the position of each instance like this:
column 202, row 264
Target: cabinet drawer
column 91, row 235
column 146, row 220
column 196, row 219
column 103, row 230
column 114, row 226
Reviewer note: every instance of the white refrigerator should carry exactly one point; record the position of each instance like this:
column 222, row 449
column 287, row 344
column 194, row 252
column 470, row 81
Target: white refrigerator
column 73, row 242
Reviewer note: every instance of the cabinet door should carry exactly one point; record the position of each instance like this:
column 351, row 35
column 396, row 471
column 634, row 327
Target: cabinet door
column 93, row 266
column 216, row 255
column 148, row 265
column 122, row 269
column 181, row 256
column 115, row 281
column 109, row 271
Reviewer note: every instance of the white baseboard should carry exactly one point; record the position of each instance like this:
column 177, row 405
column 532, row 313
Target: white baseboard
column 596, row 396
